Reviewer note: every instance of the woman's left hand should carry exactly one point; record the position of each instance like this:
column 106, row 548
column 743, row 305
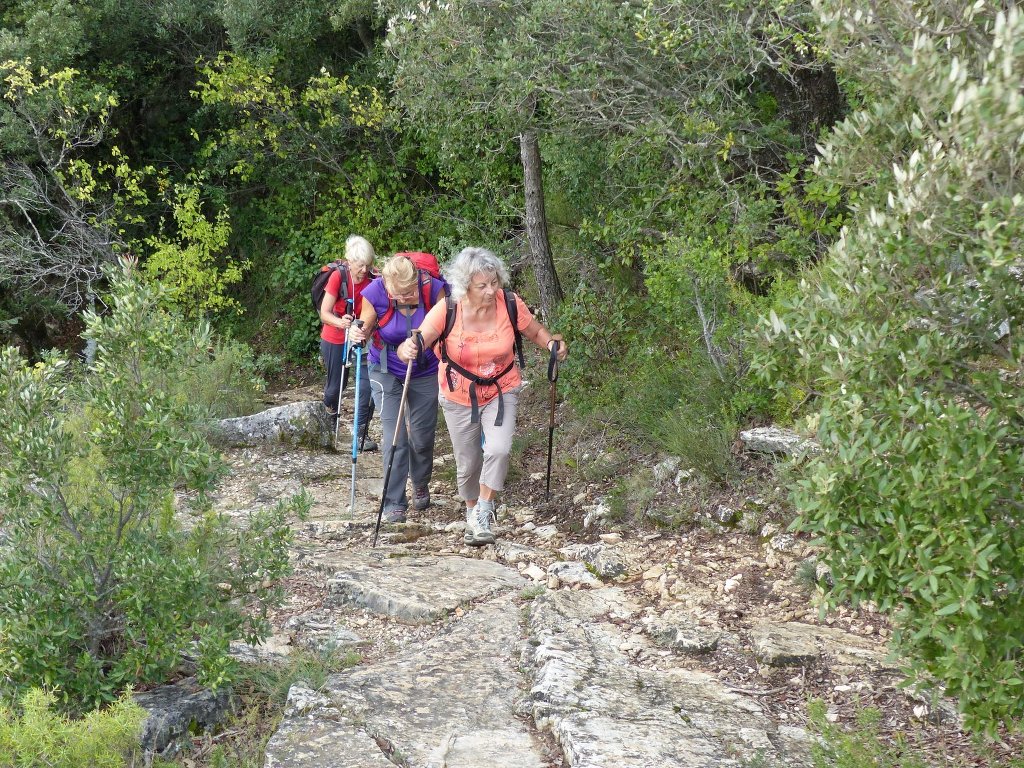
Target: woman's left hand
column 563, row 349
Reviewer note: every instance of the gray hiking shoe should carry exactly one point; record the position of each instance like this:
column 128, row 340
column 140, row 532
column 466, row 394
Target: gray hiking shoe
column 394, row 516
column 421, row 498
column 478, row 524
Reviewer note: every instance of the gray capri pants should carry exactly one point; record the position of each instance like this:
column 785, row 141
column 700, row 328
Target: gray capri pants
column 476, row 463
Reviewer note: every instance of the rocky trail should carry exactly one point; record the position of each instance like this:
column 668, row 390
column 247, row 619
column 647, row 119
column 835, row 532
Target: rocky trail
column 578, row 640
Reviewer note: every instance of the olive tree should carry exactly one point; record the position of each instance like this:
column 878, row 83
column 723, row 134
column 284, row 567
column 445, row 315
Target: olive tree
column 104, row 585
column 911, row 333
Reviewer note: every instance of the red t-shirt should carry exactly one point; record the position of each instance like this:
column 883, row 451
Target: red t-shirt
column 329, row 332
column 485, row 353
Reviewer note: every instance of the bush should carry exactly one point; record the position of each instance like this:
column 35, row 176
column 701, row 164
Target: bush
column 103, row 588
column 39, row 736
column 911, row 333
column 861, row 747
column 224, row 379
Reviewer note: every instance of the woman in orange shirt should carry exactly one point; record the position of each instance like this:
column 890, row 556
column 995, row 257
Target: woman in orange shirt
column 479, row 379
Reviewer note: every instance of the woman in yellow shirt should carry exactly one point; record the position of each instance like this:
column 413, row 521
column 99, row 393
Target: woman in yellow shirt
column 478, row 377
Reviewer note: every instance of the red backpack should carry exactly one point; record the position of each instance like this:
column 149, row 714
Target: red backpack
column 426, row 268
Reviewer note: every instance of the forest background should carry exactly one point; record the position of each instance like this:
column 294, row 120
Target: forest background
column 737, row 212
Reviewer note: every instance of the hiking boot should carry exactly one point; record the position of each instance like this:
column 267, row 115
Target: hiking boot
column 421, row 498
column 394, row 516
column 478, row 524
column 332, row 419
column 366, row 443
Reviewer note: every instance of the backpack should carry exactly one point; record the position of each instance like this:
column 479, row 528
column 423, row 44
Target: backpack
column 426, row 269
column 517, row 345
column 426, row 262
column 319, row 285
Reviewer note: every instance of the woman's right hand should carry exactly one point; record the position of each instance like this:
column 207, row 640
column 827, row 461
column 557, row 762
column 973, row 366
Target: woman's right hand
column 407, row 350
column 356, row 332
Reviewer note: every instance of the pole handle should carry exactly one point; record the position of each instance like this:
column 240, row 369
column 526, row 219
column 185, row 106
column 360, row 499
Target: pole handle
column 553, row 361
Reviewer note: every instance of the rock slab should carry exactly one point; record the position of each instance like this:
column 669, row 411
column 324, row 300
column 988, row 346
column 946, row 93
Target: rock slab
column 604, row 711
column 420, row 590
column 449, row 703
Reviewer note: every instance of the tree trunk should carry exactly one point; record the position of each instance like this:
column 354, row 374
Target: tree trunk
column 537, row 225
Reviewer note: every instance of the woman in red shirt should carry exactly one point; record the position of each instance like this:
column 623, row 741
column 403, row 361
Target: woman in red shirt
column 337, row 317
column 479, row 380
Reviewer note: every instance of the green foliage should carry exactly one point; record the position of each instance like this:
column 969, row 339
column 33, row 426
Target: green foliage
column 104, row 588
column 860, row 747
column 186, row 261
column 222, row 378
column 38, row 735
column 910, row 334
column 277, row 122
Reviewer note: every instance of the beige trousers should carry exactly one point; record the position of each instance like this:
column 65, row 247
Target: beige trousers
column 477, row 463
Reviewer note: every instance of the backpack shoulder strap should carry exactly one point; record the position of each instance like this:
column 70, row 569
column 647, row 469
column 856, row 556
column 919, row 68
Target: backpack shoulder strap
column 345, row 286
column 426, row 290
column 512, row 307
column 449, row 317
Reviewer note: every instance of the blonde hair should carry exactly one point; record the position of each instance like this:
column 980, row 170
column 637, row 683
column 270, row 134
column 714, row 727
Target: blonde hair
column 359, row 249
column 399, row 274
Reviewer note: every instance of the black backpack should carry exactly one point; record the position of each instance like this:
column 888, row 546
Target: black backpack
column 319, row 285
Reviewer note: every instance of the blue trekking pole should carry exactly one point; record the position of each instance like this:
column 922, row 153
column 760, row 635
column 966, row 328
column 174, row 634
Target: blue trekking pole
column 344, row 377
column 355, row 419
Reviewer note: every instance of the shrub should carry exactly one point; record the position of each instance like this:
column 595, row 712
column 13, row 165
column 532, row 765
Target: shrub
column 911, row 333
column 107, row 738
column 860, row 747
column 103, row 587
column 224, row 378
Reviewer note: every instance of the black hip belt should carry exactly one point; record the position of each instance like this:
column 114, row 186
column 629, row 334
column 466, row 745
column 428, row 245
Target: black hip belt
column 474, row 381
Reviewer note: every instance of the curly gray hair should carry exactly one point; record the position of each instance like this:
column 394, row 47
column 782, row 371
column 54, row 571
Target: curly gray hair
column 469, row 262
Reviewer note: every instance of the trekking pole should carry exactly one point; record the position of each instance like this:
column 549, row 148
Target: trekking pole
column 552, row 377
column 394, row 441
column 344, row 380
column 355, row 420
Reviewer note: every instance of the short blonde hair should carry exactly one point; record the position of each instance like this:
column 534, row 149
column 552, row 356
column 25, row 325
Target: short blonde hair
column 399, row 274
column 358, row 249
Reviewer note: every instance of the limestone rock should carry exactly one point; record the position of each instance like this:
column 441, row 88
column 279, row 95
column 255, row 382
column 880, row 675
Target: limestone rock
column 777, row 440
column 603, row 711
column 607, row 561
column 682, row 634
column 421, row 590
column 573, row 573
column 302, row 423
column 779, row 645
column 174, row 710
column 450, row 701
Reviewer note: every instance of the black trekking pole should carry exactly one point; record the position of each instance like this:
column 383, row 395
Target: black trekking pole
column 394, row 441
column 355, row 419
column 552, row 377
